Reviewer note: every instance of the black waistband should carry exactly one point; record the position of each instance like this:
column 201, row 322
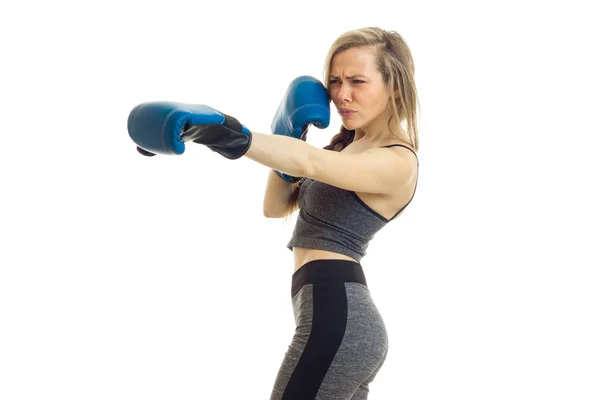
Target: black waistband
column 330, row 270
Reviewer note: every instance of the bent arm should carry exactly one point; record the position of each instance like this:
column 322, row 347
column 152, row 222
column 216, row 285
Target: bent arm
column 277, row 196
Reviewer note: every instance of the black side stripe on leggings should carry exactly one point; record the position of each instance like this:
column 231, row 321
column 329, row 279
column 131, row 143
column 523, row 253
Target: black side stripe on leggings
column 330, row 313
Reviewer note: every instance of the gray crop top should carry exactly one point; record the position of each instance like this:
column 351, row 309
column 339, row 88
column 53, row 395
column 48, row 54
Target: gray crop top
column 336, row 220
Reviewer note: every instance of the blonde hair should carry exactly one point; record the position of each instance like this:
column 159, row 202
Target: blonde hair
column 395, row 63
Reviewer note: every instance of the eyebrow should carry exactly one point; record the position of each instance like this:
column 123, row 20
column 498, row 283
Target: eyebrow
column 350, row 77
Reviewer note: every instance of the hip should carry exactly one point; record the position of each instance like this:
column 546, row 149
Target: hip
column 331, row 300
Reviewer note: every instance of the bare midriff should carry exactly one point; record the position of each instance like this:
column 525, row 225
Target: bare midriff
column 303, row 255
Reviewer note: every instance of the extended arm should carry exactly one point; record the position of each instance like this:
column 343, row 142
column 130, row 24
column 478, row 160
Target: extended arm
column 282, row 153
column 378, row 170
column 163, row 127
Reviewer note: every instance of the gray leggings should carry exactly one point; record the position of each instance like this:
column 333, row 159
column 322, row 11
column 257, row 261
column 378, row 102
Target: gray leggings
column 340, row 341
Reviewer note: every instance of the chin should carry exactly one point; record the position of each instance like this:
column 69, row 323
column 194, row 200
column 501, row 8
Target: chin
column 351, row 126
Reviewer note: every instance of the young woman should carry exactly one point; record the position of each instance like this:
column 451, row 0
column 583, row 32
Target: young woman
column 349, row 190
column 352, row 188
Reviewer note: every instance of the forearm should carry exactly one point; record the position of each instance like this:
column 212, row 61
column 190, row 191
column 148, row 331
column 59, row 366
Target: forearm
column 277, row 195
column 282, row 153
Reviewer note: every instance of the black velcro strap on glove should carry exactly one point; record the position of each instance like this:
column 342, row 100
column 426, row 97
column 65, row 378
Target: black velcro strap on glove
column 227, row 139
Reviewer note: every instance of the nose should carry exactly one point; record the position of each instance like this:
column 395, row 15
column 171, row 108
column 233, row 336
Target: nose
column 342, row 93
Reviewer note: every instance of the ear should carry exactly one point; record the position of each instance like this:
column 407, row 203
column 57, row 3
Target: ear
column 396, row 93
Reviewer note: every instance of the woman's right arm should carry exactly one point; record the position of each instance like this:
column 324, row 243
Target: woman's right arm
column 277, row 195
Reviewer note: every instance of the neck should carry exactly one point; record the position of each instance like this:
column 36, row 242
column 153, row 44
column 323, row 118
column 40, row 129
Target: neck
column 378, row 130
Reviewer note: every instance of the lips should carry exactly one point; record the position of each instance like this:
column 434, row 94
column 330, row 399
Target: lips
column 346, row 113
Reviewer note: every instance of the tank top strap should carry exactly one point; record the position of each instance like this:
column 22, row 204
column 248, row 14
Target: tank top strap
column 406, row 147
column 401, row 145
column 416, row 183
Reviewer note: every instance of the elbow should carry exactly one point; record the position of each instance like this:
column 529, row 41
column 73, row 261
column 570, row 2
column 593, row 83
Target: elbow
column 268, row 212
column 271, row 215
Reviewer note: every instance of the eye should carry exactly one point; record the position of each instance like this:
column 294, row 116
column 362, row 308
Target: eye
column 357, row 81
column 334, row 81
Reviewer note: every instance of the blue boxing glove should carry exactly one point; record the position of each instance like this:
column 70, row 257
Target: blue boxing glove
column 162, row 128
column 305, row 102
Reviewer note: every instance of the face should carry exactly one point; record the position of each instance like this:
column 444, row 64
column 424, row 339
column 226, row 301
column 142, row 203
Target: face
column 358, row 91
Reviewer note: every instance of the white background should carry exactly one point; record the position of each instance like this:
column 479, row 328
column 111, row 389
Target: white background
column 125, row 277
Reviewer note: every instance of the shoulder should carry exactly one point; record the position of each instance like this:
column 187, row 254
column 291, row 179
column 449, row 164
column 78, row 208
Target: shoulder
column 405, row 146
column 404, row 150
